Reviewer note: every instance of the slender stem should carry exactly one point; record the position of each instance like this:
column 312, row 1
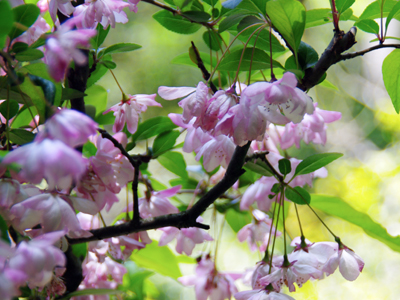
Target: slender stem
column 323, row 223
column 282, row 202
column 115, row 78
column 272, row 225
column 362, row 52
column 335, row 16
column 273, row 243
column 252, row 55
column 298, row 219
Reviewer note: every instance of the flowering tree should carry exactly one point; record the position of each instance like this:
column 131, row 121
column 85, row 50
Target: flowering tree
column 61, row 169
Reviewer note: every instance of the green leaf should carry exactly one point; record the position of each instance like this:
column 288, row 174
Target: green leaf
column 297, row 195
column 97, row 96
column 175, row 23
column 153, row 127
column 230, row 21
column 80, row 250
column 316, row 17
column 174, row 162
column 68, row 93
column 373, row 11
column 285, row 166
column 391, row 77
column 21, row 136
column 342, row 5
column 289, row 18
column 101, row 35
column 134, row 280
column 106, row 119
column 393, row 13
column 164, row 142
column 99, row 71
column 307, row 58
column 184, row 59
column 108, row 64
column 186, row 183
column 158, row 259
column 250, row 7
column 197, row 16
column 19, row 47
column 25, row 15
column 337, row 207
column 315, row 162
column 212, row 40
column 119, row 48
column 6, row 21
column 368, row 25
column 91, row 292
column 237, row 219
column 29, row 55
column 9, row 109
column 89, row 149
column 3, row 224
column 258, row 167
column 231, row 4
column 258, row 59
column 49, row 93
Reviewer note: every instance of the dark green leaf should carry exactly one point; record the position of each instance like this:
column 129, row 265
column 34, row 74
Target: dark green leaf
column 262, row 40
column 230, row 21
column 38, row 43
column 183, row 4
column 288, row 17
column 212, row 40
column 119, row 48
column 186, row 183
column 392, row 14
column 3, row 224
column 307, row 58
column 21, row 136
column 315, row 162
column 237, row 219
column 175, row 23
column 25, row 15
column 37, row 97
column 158, row 259
column 19, row 47
column 9, row 109
column 276, row 188
column 337, row 207
column 68, row 93
column 164, row 142
column 197, row 16
column 153, row 127
column 29, row 55
column 391, row 77
column 259, row 167
column 101, row 35
column 108, row 64
column 285, row 166
column 99, row 72
column 6, row 21
column 97, row 96
column 368, row 25
column 184, row 59
column 49, row 93
column 342, row 5
column 258, row 59
column 249, row 6
column 297, row 195
column 174, row 162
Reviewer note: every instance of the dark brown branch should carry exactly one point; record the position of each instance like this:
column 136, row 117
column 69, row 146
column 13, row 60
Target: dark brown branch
column 179, row 13
column 362, row 52
column 183, row 219
column 333, row 54
column 200, row 65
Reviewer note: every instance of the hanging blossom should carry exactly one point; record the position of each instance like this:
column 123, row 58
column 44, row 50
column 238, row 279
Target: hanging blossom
column 128, row 111
column 209, row 283
column 311, row 129
column 105, row 12
column 186, row 238
column 261, row 294
column 62, row 47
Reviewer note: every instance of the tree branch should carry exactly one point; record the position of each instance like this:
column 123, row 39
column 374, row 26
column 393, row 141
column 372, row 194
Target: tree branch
column 180, row 220
column 362, row 52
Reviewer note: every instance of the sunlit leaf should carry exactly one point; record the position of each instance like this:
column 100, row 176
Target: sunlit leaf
column 297, row 195
column 174, row 162
column 164, row 142
column 391, row 77
column 394, row 12
column 6, row 21
column 368, row 25
column 258, row 167
column 342, row 5
column 237, row 219
column 175, row 23
column 25, row 15
column 315, row 162
column 153, row 127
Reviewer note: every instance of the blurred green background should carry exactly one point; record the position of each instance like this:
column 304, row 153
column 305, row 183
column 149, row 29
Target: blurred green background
column 367, row 177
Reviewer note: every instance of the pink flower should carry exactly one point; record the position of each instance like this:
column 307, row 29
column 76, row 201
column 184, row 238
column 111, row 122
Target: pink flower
column 311, row 129
column 261, row 295
column 158, row 204
column 62, row 48
column 106, row 12
column 209, row 282
column 69, row 126
column 34, row 32
column 186, row 238
column 128, row 110
column 38, row 258
column 52, row 160
column 257, row 231
column 64, row 6
column 258, row 191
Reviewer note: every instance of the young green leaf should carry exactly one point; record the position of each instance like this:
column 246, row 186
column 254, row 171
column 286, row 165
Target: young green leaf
column 284, row 166
column 373, row 11
column 259, row 167
column 164, row 142
column 9, row 109
column 174, row 162
column 119, row 48
column 297, row 195
column 262, row 40
column 337, row 207
column 315, row 162
column 392, row 14
column 68, row 93
column 212, row 40
column 342, row 5
column 391, row 77
column 100, row 36
column 289, row 18
column 258, row 59
column 229, row 22
column 108, row 64
column 197, row 16
column 153, row 127
column 97, row 96
column 175, row 23
column 25, row 15
column 368, row 25
column 6, row 21
column 237, row 219
column 29, row 55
